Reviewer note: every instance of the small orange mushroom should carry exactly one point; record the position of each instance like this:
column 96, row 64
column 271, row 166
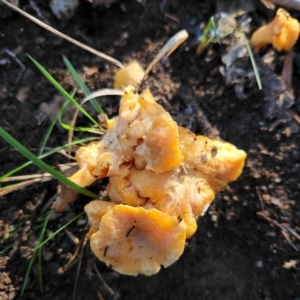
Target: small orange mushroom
column 282, row 32
column 134, row 240
column 132, row 74
column 95, row 210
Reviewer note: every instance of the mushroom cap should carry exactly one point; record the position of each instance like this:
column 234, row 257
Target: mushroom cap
column 289, row 34
column 143, row 133
column 85, row 156
column 160, row 148
column 132, row 74
column 121, row 190
column 133, row 240
column 186, row 190
column 95, row 210
column 282, row 32
column 220, row 162
column 175, row 193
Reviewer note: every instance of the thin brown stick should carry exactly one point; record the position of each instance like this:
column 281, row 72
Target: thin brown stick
column 60, row 34
column 71, row 132
column 283, row 227
column 14, row 187
column 289, row 4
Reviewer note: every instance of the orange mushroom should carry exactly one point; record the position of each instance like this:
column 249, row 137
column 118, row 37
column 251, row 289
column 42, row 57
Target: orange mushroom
column 142, row 133
column 161, row 179
column 133, row 240
column 95, row 210
column 132, row 74
column 188, row 189
column 282, row 32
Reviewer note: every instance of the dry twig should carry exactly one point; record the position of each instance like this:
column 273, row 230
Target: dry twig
column 289, row 4
column 284, row 228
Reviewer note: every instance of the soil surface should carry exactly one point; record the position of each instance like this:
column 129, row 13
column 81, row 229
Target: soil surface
column 246, row 246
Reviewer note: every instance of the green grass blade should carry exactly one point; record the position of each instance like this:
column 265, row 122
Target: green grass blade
column 50, row 128
column 35, row 253
column 81, row 129
column 45, row 223
column 6, row 248
column 62, row 90
column 40, row 274
column 54, row 150
column 25, row 152
column 58, row 231
column 37, row 250
column 253, row 62
column 46, row 136
column 27, row 272
column 69, row 127
column 216, row 33
column 82, row 85
column 205, row 38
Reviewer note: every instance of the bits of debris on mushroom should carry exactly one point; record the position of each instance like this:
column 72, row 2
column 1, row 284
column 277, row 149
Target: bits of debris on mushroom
column 162, row 178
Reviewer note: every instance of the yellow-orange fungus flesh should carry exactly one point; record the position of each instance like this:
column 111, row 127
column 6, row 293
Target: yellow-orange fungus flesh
column 161, row 179
column 282, row 32
column 133, row 240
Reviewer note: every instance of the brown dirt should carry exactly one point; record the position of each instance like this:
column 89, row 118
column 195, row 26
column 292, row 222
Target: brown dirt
column 235, row 254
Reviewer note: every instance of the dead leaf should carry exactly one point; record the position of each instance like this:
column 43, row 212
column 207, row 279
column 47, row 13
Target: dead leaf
column 90, row 71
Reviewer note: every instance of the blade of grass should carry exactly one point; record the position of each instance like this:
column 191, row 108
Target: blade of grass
column 71, row 132
column 50, row 128
column 6, row 248
column 27, row 272
column 14, row 187
column 25, row 152
column 103, row 92
column 70, row 127
column 82, row 85
column 45, row 223
column 62, row 90
column 45, row 155
column 37, row 251
column 216, row 33
column 81, row 129
column 205, row 38
column 40, row 275
column 26, row 177
column 58, row 231
column 253, row 62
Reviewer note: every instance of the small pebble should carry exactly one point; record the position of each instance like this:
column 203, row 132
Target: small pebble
column 266, row 197
column 214, row 218
column 81, row 222
column 278, row 180
column 259, row 264
column 295, row 168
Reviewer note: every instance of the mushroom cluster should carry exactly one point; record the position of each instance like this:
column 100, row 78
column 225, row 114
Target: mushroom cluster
column 162, row 177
